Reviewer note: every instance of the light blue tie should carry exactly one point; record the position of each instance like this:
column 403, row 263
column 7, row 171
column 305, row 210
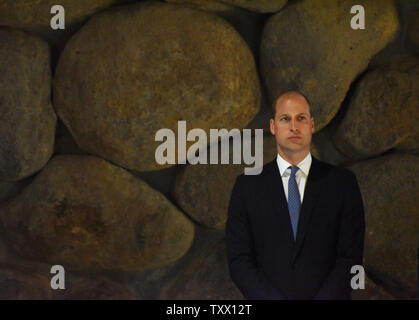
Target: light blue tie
column 294, row 201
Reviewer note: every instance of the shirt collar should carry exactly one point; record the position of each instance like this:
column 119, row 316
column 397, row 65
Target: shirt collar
column 304, row 165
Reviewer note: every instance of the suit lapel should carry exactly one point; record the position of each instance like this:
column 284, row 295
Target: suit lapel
column 311, row 194
column 280, row 211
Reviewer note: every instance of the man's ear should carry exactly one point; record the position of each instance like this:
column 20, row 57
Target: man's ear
column 272, row 126
column 312, row 125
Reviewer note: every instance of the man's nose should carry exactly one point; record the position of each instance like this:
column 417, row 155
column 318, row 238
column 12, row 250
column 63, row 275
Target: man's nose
column 293, row 125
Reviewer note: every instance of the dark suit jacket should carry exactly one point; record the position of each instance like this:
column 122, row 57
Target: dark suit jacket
column 264, row 260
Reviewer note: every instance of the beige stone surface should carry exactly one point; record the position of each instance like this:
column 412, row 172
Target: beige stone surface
column 383, row 112
column 35, row 15
column 150, row 65
column 372, row 291
column 309, row 46
column 87, row 214
column 248, row 23
column 204, row 277
column 18, row 284
column 390, row 189
column 27, row 119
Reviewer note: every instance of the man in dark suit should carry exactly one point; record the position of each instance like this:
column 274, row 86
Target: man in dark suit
column 295, row 230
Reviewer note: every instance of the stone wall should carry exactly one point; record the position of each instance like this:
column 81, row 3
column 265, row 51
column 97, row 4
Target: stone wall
column 80, row 107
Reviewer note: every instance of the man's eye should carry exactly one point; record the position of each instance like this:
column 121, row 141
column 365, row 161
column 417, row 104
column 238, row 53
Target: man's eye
column 302, row 118
column 284, row 118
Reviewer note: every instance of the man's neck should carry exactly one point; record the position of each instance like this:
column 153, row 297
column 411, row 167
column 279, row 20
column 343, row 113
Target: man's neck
column 293, row 158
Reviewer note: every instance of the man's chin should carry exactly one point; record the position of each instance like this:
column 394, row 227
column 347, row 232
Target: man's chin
column 295, row 146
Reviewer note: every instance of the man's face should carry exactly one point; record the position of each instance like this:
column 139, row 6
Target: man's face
column 293, row 126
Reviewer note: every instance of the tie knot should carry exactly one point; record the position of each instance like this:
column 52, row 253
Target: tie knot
column 294, row 170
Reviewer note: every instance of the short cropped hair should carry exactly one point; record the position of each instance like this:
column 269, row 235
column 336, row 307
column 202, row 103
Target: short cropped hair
column 273, row 106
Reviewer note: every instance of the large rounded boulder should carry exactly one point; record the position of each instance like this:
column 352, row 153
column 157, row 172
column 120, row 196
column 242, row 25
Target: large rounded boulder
column 87, row 214
column 150, row 65
column 27, row 119
column 310, row 46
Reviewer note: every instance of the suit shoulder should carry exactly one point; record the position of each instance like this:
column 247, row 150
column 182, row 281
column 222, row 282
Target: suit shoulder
column 255, row 179
column 336, row 171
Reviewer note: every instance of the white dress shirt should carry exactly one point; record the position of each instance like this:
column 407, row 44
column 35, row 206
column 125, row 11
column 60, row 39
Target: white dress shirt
column 300, row 176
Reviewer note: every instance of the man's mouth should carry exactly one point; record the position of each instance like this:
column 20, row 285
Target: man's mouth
column 294, row 138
